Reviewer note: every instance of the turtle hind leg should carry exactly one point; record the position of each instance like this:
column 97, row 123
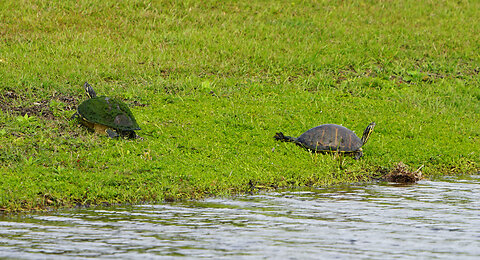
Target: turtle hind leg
column 74, row 116
column 111, row 133
column 279, row 136
column 283, row 138
column 131, row 135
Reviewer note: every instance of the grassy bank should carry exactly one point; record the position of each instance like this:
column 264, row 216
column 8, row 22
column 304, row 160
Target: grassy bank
column 211, row 82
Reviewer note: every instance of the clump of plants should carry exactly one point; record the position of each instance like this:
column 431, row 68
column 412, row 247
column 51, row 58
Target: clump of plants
column 402, row 174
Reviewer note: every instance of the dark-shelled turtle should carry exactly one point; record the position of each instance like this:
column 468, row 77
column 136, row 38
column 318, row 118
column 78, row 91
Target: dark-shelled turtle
column 331, row 138
column 106, row 115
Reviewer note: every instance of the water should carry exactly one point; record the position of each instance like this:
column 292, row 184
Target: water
column 430, row 220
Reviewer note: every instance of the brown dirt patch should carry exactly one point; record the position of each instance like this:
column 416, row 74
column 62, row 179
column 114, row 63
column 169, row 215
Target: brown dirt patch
column 40, row 108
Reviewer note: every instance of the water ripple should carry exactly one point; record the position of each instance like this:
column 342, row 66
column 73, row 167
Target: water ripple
column 433, row 219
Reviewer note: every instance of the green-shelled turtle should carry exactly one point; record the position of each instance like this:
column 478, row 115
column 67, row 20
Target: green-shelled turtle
column 106, row 115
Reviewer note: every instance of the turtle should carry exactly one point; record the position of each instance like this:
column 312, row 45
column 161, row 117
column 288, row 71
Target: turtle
column 331, row 138
column 106, row 115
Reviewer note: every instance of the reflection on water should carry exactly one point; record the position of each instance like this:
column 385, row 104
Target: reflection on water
column 433, row 219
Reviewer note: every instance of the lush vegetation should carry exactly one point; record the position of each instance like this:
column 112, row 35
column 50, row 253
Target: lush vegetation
column 211, row 82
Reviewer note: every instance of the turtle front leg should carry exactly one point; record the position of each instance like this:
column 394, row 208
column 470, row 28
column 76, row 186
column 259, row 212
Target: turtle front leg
column 358, row 154
column 111, row 133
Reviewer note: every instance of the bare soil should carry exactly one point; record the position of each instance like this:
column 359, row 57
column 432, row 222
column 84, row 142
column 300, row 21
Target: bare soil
column 38, row 108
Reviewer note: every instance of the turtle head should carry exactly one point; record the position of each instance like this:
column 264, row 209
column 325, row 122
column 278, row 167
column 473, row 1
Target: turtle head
column 90, row 92
column 367, row 132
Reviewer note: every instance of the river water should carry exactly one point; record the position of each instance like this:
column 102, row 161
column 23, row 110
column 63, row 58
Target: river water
column 429, row 220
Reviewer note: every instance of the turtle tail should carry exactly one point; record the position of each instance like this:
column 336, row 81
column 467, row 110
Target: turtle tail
column 90, row 92
column 283, row 138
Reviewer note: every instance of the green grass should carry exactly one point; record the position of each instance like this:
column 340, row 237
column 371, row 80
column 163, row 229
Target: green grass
column 210, row 82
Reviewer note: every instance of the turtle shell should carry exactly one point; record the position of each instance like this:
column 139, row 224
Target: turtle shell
column 330, row 137
column 109, row 112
